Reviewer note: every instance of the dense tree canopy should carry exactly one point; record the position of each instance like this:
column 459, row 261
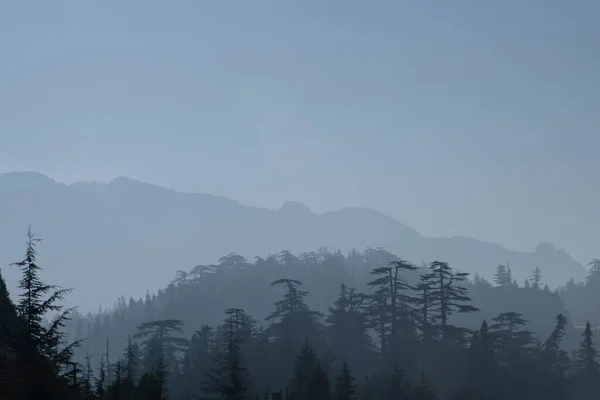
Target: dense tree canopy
column 364, row 326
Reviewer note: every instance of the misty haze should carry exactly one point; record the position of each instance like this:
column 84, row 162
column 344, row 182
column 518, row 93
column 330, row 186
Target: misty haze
column 299, row 200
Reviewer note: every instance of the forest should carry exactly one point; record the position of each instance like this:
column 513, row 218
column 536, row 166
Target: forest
column 322, row 325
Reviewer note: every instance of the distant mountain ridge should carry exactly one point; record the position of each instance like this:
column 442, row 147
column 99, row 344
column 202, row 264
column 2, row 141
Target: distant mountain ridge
column 124, row 237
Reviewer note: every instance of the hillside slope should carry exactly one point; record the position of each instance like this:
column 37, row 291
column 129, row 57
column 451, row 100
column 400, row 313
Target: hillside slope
column 124, row 237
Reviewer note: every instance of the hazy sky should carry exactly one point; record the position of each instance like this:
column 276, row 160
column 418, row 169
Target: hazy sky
column 479, row 119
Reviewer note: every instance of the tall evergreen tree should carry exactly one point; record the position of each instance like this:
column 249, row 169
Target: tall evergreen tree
column 348, row 328
column 536, row 281
column 587, row 355
column 292, row 322
column 100, row 383
column 503, row 276
column 398, row 386
column 10, row 330
column 552, row 355
column 87, row 388
column 423, row 391
column 512, row 343
column 345, row 383
column 447, row 297
column 36, row 301
column 426, row 302
column 230, row 378
column 159, row 341
column 199, row 354
column 553, row 363
column 392, row 310
column 304, row 369
column 319, row 385
column 482, row 365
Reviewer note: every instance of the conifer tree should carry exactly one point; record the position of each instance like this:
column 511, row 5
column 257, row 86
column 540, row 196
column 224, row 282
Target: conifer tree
column 536, row 281
column 482, row 365
column 423, row 391
column 553, row 357
column 345, row 383
column 392, row 309
column 158, row 341
column 101, row 380
column 185, row 381
column 38, row 300
column 234, row 386
column 291, row 322
column 199, row 353
column 552, row 365
column 399, row 387
column 587, row 355
column 447, row 296
column 348, row 327
column 9, row 332
column 319, row 385
column 88, row 378
column 159, row 379
column 304, row 368
column 593, row 272
column 115, row 391
column 426, row 302
column 230, row 378
column 513, row 344
column 131, row 357
column 503, row 276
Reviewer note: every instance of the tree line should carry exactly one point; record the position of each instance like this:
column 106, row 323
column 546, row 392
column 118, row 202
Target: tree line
column 395, row 337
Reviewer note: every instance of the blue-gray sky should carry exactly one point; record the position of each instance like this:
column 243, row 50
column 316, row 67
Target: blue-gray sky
column 477, row 118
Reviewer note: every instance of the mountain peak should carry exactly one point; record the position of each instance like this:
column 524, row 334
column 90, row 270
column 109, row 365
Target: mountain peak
column 545, row 248
column 295, row 208
column 24, row 176
column 26, row 179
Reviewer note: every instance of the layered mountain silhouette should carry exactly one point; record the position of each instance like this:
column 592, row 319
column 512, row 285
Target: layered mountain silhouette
column 106, row 240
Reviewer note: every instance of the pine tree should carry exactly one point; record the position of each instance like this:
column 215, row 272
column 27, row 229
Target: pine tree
column 593, row 272
column 304, row 368
column 392, row 310
column 88, row 378
column 345, row 385
column 399, row 388
column 199, row 354
column 447, row 297
column 36, row 301
column 319, row 386
column 131, row 360
column 10, row 330
column 348, row 328
column 159, row 340
column 553, row 356
column 234, row 386
column 426, row 302
column 482, row 365
column 503, row 275
column 186, row 380
column 230, row 378
column 238, row 326
column 160, row 379
column 536, row 281
column 115, row 391
column 101, row 380
column 513, row 344
column 587, row 355
column 423, row 391
column 291, row 322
